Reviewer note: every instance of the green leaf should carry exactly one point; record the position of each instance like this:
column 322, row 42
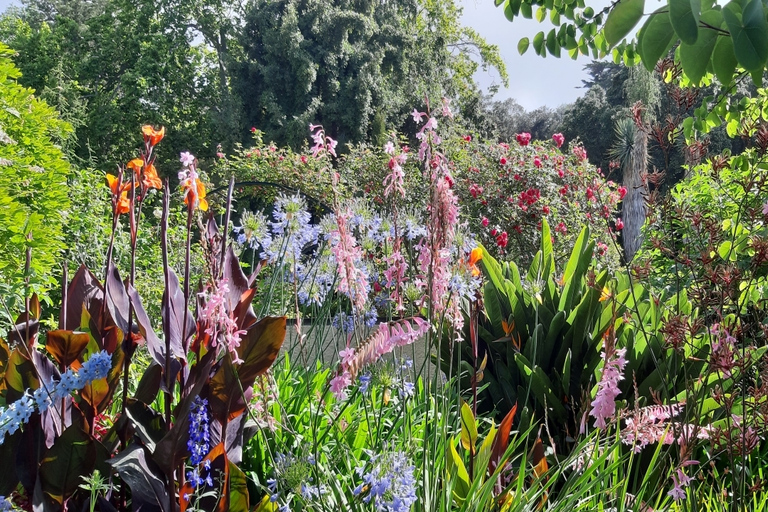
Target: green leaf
column 655, row 38
column 538, row 43
column 552, row 46
column 622, row 19
column 468, row 428
column 684, row 16
column 526, row 10
column 238, row 489
column 498, row 2
column 749, row 31
column 522, row 45
column 695, row 58
column 454, row 462
column 541, row 14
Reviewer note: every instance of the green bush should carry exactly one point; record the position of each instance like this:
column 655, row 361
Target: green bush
column 34, row 202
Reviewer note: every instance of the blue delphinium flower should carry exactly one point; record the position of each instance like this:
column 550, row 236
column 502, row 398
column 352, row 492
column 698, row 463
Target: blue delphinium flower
column 18, row 413
column 199, row 442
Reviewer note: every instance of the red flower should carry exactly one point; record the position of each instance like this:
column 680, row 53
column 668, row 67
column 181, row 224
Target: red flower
column 503, row 161
column 523, row 138
column 485, row 222
column 622, row 192
column 619, row 224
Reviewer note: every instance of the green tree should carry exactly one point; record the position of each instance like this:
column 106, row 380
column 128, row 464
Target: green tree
column 348, row 61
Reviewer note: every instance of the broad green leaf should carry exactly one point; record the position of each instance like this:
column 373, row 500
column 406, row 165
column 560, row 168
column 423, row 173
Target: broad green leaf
column 468, row 428
column 684, row 16
column 541, row 14
column 238, row 489
column 655, row 38
column 498, row 2
column 461, row 489
column 522, row 45
column 526, row 10
column 695, row 58
column 538, row 43
column 622, row 19
column 749, row 31
column 552, row 45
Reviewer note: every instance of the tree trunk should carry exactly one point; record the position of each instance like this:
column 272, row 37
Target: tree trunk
column 633, row 210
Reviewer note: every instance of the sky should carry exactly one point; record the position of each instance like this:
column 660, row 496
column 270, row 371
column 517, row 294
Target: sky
column 533, row 81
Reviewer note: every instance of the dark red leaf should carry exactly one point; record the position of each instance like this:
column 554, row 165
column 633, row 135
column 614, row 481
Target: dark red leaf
column 501, row 442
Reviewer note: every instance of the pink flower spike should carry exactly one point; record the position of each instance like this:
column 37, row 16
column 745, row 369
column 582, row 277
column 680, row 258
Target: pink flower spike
column 446, row 108
column 417, row 116
column 389, row 148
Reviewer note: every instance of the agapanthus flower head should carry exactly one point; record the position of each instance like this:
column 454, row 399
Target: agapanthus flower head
column 254, row 229
column 388, row 482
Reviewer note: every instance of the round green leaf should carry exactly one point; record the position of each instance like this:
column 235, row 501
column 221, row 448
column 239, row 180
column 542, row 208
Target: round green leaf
column 552, row 47
column 541, row 14
column 724, row 60
column 749, row 32
column 538, row 43
column 522, row 45
column 696, row 57
column 622, row 19
column 655, row 38
column 684, row 16
column 526, row 10
column 498, row 2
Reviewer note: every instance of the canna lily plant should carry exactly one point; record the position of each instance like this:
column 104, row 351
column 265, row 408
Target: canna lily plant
column 175, row 442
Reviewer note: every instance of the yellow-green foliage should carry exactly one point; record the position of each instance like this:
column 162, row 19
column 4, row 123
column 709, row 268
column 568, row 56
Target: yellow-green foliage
column 33, row 182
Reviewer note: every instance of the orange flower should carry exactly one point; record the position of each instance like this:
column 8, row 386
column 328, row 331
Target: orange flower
column 151, row 135
column 120, row 190
column 475, row 256
column 150, row 179
column 195, row 195
column 135, row 165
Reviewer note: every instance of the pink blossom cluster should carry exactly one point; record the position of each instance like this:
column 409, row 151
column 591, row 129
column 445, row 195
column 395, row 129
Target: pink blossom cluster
column 353, row 280
column 604, row 404
column 220, row 321
column 383, row 341
column 395, row 275
column 649, row 425
column 322, row 142
column 393, row 182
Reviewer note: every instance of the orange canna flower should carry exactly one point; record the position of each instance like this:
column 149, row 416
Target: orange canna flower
column 150, row 179
column 151, row 135
column 135, row 165
column 195, row 195
column 474, row 257
column 120, row 190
